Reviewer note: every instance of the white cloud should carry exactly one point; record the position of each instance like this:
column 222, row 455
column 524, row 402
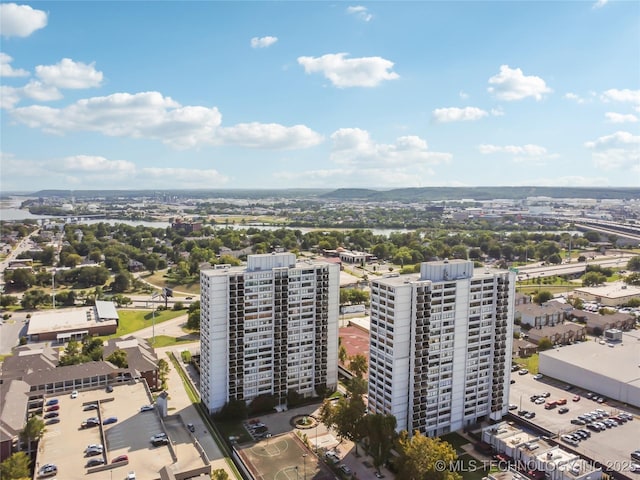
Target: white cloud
column 497, row 112
column 350, row 72
column 70, row 74
column 613, row 117
column 263, row 42
column 185, row 177
column 9, row 96
column 463, row 95
column 360, row 13
column 97, row 164
column 600, row 4
column 511, row 84
column 625, row 96
column 620, row 150
column 354, row 147
column 454, row 114
column 574, row 97
column 270, row 135
column 41, row 92
column 92, row 171
column 6, row 70
column 529, row 150
column 20, row 20
column 152, row 116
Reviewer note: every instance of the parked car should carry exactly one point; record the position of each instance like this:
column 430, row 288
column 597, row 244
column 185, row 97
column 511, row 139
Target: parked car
column 53, row 408
column 48, row 470
column 52, row 401
column 53, row 421
column 561, row 401
column 550, row 405
column 635, row 455
column 576, row 398
column 530, row 415
column 513, row 406
column 94, row 462
column 109, row 420
column 146, row 408
column 52, row 415
column 191, row 427
column 94, row 446
column 120, row 458
column 158, row 436
column 523, row 371
column 109, row 389
column 160, row 441
column 563, row 410
column 92, row 452
column 90, row 406
column 74, row 394
column 577, row 421
column 538, row 376
column 345, row 469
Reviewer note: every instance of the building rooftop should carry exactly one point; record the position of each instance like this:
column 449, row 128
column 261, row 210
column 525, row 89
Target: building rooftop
column 395, row 279
column 611, row 290
column 548, row 308
column 65, row 319
column 621, row 362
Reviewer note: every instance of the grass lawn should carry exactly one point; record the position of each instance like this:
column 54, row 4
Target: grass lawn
column 134, row 320
column 167, row 341
column 530, row 363
column 456, row 440
column 160, row 280
column 472, row 469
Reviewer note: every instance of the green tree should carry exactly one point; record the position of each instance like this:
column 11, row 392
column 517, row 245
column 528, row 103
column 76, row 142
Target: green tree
column 34, row 298
column 358, row 365
column 219, row 474
column 634, row 263
column 16, row 467
column 633, row 279
column 381, row 431
column 544, row 344
column 121, row 283
column 163, row 372
column 421, row 457
column 19, row 279
column 32, row 431
column 591, row 279
column 193, row 319
column 8, row 300
column 542, row 297
column 118, row 358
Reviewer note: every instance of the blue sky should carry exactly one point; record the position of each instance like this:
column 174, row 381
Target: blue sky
column 204, row 94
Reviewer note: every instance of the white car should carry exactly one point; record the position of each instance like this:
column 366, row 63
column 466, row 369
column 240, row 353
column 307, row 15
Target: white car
column 74, row 394
column 131, row 476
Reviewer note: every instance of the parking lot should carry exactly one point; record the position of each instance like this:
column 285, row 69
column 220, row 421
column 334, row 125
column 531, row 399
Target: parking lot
column 64, row 443
column 610, row 447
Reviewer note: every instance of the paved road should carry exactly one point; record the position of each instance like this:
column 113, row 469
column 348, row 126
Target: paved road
column 180, row 401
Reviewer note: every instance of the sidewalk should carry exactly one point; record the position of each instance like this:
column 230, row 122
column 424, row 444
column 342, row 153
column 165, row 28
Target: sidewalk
column 179, row 402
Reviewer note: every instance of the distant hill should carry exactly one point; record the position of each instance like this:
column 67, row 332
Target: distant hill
column 407, row 195
column 480, row 193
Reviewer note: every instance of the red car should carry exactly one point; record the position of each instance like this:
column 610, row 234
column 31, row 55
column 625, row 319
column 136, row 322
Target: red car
column 120, row 458
column 53, row 408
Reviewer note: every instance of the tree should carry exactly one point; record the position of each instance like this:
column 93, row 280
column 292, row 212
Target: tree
column 542, row 297
column 633, row 279
column 193, row 320
column 634, row 263
column 591, row 279
column 381, row 431
column 32, row 431
column 16, row 467
column 358, row 365
column 544, row 344
column 421, row 458
column 163, row 372
column 34, row 298
column 121, row 283
column 71, row 354
column 118, row 358
column 342, row 354
column 219, row 474
column 8, row 300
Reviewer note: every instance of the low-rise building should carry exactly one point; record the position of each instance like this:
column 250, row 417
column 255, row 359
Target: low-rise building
column 611, row 294
column 537, row 316
column 62, row 325
column 561, row 334
column 596, row 323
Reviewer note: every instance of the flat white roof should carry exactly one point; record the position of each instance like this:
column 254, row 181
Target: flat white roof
column 611, row 290
column 64, row 319
column 622, row 362
column 106, row 309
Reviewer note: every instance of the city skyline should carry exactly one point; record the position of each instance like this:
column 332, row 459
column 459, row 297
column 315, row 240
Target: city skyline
column 156, row 95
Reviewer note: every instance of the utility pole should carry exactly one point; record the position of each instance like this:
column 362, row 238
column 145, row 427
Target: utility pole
column 53, row 287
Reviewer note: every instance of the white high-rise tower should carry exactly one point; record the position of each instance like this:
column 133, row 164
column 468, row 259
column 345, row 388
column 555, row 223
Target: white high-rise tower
column 268, row 328
column 440, row 346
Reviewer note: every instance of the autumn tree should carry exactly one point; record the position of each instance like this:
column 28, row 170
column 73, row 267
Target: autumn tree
column 421, row 458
